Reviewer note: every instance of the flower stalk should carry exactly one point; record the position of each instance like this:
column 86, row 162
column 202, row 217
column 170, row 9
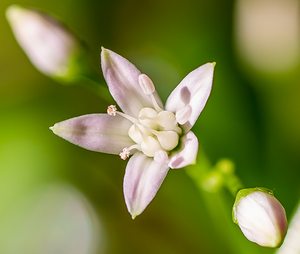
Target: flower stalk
column 214, row 178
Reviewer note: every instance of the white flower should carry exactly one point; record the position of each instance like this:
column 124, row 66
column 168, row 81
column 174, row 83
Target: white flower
column 260, row 216
column 51, row 47
column 157, row 137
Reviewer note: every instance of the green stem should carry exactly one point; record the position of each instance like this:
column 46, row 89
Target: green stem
column 213, row 179
column 230, row 180
column 210, row 182
column 233, row 184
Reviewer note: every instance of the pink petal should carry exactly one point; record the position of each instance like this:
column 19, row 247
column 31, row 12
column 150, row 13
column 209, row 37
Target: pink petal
column 194, row 91
column 96, row 132
column 188, row 152
column 142, row 180
column 122, row 78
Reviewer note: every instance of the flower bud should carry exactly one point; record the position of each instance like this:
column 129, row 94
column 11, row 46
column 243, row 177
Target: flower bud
column 51, row 48
column 260, row 216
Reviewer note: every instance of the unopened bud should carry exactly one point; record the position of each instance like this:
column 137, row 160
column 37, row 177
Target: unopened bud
column 51, row 48
column 260, row 216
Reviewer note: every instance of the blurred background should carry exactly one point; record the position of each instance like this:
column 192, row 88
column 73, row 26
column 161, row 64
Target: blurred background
column 58, row 198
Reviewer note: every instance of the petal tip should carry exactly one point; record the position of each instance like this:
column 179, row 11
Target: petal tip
column 133, row 212
column 12, row 12
column 214, row 64
column 106, row 59
column 104, row 50
column 104, row 53
column 133, row 216
column 54, row 129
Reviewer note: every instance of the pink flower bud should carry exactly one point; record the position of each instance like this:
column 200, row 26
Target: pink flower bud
column 260, row 216
column 51, row 48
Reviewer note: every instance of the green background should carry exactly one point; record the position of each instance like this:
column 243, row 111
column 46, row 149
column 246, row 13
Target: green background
column 252, row 117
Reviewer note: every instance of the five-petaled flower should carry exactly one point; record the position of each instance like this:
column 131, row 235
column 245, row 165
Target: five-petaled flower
column 155, row 138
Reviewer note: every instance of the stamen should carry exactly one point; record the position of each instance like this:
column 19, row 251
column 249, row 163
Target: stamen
column 145, row 130
column 148, row 88
column 112, row 110
column 126, row 151
column 146, row 84
column 167, row 139
column 155, row 104
column 130, row 118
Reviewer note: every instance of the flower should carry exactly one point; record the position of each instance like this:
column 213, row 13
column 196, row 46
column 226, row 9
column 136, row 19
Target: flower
column 157, row 138
column 49, row 45
column 260, row 216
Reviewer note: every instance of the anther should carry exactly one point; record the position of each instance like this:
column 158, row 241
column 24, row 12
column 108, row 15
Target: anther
column 148, row 88
column 112, row 110
column 146, row 84
column 125, row 153
column 155, row 104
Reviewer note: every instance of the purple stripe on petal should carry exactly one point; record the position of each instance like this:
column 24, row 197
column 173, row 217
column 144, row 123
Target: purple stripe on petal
column 142, row 180
column 193, row 90
column 187, row 154
column 96, row 132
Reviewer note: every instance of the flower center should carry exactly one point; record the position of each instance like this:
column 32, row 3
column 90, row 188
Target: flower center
column 155, row 131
